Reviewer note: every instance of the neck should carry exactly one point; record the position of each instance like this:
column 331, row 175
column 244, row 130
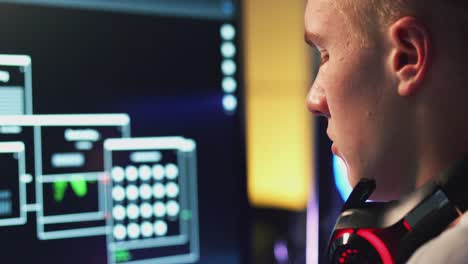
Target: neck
column 442, row 141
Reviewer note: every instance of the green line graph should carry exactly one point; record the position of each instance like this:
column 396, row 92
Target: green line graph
column 78, row 184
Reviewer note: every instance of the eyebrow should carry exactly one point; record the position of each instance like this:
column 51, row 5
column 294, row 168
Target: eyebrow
column 311, row 38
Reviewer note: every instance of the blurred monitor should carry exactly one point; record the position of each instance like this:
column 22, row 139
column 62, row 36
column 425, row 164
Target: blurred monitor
column 174, row 69
column 332, row 187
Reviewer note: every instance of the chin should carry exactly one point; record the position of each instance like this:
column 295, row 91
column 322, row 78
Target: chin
column 353, row 179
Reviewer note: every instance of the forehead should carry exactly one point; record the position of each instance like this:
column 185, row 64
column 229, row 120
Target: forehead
column 322, row 18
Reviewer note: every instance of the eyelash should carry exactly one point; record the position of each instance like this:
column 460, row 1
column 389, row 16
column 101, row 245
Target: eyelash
column 324, row 57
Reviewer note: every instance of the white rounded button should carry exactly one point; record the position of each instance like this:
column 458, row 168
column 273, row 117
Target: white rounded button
column 158, row 172
column 118, row 193
column 118, row 212
column 146, row 229
column 159, row 209
column 132, row 192
column 133, row 212
column 172, row 171
column 160, row 228
column 159, row 191
column 145, row 172
column 172, row 208
column 120, row 232
column 172, row 190
column 146, row 210
column 133, row 231
column 118, row 174
column 131, row 173
column 145, row 191
column 228, row 32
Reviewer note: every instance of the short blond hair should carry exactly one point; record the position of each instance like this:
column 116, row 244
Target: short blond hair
column 369, row 16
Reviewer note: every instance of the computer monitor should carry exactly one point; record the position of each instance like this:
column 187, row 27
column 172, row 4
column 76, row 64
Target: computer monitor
column 332, row 189
column 174, row 68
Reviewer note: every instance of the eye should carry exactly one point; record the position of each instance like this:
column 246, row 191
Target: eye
column 324, row 57
column 321, row 56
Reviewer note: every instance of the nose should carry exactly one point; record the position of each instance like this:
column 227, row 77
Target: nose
column 317, row 101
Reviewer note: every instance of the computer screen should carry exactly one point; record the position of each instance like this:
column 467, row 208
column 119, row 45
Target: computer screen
column 95, row 79
column 332, row 187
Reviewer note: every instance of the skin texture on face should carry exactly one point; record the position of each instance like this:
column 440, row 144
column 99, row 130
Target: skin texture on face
column 368, row 120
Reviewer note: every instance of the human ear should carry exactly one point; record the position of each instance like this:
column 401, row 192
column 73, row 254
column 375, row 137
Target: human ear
column 411, row 54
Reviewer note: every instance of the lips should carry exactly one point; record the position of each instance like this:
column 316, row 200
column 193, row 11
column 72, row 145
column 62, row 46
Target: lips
column 334, row 149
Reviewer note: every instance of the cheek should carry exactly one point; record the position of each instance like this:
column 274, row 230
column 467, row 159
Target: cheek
column 354, row 91
column 343, row 96
column 353, row 97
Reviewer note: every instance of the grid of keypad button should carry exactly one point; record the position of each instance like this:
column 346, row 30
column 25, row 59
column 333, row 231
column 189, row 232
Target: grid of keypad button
column 145, row 201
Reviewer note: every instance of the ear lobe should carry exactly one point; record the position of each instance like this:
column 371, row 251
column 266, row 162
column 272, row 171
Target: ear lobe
column 411, row 52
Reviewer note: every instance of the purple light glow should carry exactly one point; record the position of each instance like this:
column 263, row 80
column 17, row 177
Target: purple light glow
column 281, row 252
column 312, row 229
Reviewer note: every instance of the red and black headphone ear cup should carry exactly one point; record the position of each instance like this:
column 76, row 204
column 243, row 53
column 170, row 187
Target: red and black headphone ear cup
column 350, row 248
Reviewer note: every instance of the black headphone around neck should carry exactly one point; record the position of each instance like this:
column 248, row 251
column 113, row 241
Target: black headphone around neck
column 387, row 233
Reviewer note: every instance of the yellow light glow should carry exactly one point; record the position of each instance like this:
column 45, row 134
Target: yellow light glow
column 279, row 130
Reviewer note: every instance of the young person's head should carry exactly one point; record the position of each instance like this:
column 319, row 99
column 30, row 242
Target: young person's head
column 393, row 86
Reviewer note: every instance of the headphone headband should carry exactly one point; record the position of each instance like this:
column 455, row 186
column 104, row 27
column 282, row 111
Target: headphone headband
column 454, row 183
